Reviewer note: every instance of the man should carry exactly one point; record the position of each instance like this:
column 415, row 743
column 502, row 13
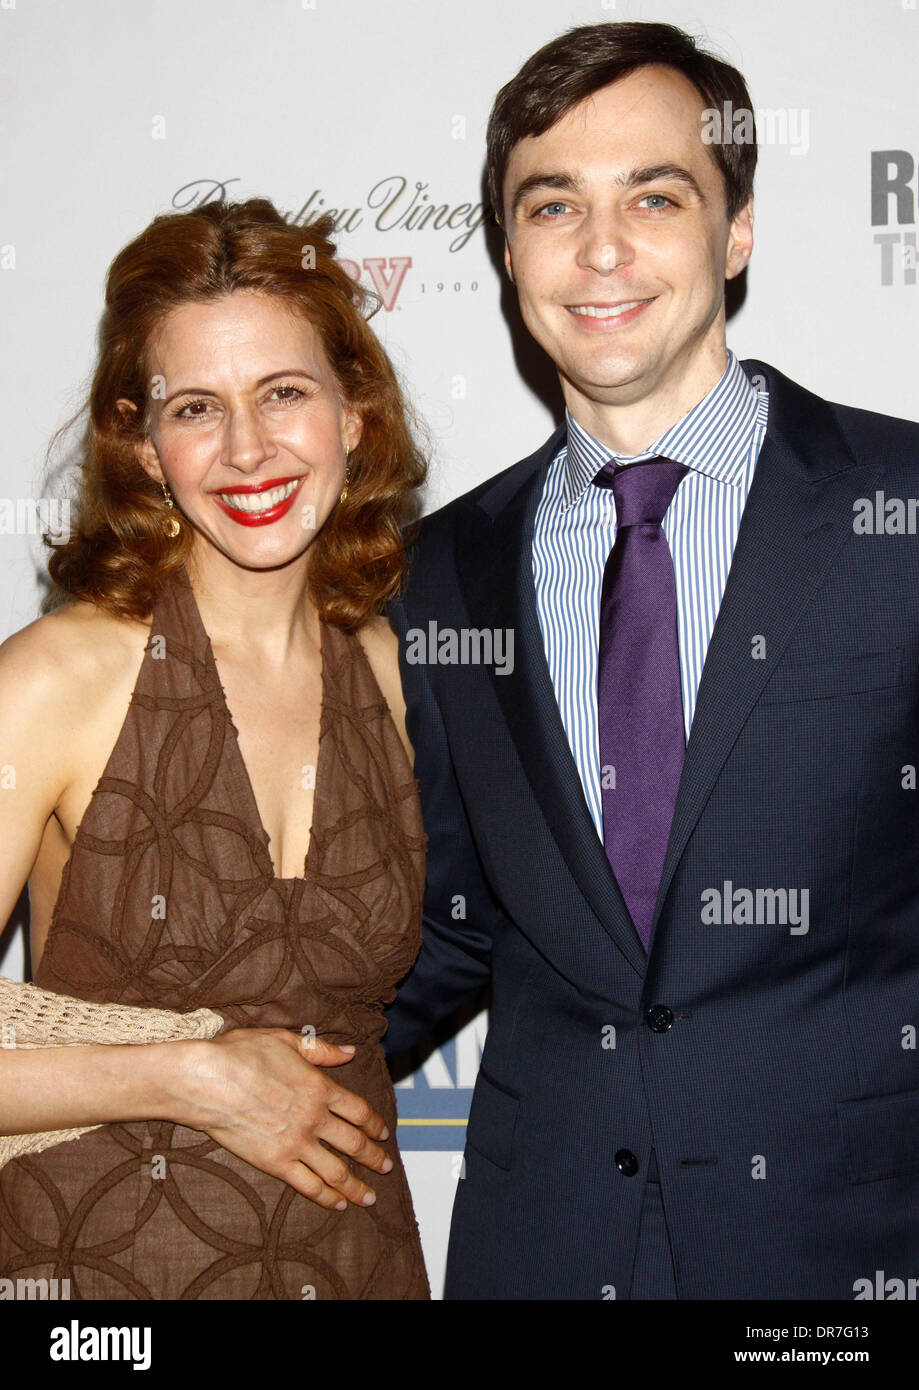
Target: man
column 679, row 836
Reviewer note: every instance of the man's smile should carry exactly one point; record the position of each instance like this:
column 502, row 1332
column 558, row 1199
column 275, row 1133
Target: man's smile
column 598, row 316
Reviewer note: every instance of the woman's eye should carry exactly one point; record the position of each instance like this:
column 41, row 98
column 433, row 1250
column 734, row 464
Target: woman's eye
column 189, row 410
column 283, row 395
column 287, row 395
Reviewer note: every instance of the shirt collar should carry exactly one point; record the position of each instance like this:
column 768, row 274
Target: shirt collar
column 713, row 438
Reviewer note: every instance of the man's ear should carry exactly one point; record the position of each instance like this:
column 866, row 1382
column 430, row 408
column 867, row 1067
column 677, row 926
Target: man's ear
column 144, row 451
column 740, row 241
column 507, row 260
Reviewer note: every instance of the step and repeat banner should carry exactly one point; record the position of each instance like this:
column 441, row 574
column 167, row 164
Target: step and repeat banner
column 115, row 110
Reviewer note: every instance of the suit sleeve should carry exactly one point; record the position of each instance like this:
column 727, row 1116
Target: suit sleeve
column 460, row 913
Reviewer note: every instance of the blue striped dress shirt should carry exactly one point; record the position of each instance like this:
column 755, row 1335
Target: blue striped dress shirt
column 575, row 529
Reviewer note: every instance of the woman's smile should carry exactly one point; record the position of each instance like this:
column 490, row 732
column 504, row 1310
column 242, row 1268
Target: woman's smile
column 259, row 504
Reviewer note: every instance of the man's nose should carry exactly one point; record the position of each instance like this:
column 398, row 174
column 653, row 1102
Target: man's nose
column 605, row 245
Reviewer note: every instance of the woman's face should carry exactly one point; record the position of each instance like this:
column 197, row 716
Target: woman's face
column 248, row 427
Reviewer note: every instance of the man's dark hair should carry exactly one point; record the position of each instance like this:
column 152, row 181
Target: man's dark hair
column 583, row 60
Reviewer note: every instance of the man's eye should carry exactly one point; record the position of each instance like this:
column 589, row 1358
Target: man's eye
column 659, row 200
column 551, row 209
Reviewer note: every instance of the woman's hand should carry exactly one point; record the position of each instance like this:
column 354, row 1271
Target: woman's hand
column 262, row 1093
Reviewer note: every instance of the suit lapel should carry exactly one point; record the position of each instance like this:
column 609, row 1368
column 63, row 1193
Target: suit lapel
column 494, row 559
column 797, row 516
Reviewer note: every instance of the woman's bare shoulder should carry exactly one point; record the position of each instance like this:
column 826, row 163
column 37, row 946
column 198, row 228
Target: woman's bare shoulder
column 65, row 683
column 70, row 656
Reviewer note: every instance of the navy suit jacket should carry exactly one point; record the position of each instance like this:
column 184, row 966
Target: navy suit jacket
column 781, row 1093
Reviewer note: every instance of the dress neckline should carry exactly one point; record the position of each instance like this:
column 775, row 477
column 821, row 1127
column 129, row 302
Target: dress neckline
column 213, row 670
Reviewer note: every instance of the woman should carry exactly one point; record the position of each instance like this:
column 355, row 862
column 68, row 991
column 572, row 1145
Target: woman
column 214, row 801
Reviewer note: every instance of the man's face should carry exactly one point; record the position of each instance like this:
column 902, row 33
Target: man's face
column 619, row 243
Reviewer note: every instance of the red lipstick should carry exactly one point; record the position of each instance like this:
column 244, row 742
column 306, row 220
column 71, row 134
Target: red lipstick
column 262, row 518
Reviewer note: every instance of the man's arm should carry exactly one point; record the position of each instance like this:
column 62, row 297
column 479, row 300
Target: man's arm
column 460, row 913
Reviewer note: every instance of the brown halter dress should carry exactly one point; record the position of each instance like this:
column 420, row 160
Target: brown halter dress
column 169, row 899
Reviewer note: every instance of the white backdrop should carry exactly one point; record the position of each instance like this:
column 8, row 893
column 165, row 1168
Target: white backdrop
column 115, row 110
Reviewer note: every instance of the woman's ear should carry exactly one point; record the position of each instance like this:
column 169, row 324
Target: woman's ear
column 352, row 428
column 143, row 449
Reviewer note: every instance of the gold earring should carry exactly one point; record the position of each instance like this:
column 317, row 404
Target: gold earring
column 171, row 524
column 344, row 491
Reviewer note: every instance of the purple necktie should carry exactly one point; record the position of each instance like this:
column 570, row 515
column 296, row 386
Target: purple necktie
column 639, row 698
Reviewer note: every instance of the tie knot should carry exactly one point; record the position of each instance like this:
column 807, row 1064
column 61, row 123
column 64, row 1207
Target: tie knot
column 642, row 491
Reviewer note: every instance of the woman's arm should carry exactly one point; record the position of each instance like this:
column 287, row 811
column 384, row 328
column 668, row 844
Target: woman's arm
column 71, row 1087
column 251, row 1089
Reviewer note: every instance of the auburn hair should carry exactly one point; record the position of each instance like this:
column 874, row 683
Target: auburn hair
column 581, row 61
column 118, row 555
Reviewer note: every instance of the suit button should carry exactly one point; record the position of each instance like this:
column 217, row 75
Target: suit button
column 659, row 1018
column 626, row 1162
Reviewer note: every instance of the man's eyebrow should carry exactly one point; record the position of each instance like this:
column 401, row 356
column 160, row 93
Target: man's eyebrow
column 635, row 178
column 654, row 173
column 567, row 183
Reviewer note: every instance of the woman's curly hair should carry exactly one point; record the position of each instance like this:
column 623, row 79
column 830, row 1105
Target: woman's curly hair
column 118, row 555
